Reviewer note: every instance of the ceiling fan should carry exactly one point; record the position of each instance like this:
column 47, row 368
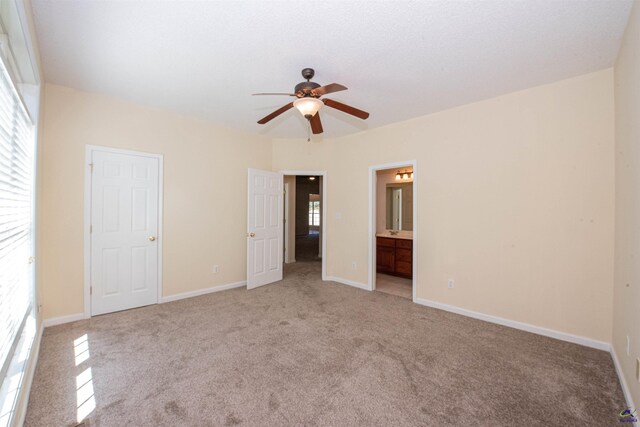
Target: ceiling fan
column 309, row 102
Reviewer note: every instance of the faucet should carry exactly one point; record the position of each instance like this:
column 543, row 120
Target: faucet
column 393, row 232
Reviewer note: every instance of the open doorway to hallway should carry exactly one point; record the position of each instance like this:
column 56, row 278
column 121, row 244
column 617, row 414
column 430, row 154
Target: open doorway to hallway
column 303, row 228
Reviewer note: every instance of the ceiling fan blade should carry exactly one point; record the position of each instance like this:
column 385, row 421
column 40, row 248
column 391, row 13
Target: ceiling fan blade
column 323, row 90
column 275, row 113
column 274, row 93
column 346, row 108
column 316, row 124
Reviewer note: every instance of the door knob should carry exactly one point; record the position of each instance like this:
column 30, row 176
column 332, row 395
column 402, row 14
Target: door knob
column 152, row 238
column 251, row 234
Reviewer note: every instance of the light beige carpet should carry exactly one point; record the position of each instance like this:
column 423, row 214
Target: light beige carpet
column 306, row 352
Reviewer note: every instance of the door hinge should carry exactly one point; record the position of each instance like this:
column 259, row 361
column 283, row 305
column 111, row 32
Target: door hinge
column 91, row 166
column 90, row 290
column 90, row 229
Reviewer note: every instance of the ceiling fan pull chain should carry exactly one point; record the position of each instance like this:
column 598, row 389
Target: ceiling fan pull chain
column 309, row 132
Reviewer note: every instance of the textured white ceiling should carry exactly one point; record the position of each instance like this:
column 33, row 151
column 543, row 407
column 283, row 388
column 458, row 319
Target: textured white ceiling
column 399, row 59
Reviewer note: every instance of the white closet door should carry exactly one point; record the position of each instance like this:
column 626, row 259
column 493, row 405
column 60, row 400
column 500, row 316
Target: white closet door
column 124, row 231
column 264, row 235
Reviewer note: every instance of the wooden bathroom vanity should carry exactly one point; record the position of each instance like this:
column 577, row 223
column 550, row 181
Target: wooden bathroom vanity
column 394, row 256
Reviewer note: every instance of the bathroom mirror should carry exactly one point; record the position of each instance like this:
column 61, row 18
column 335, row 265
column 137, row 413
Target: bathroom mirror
column 399, row 206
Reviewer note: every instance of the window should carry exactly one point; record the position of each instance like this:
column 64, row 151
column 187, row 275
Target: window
column 314, row 212
column 16, row 216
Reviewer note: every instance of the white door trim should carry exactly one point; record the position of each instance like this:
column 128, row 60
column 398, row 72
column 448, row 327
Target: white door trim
column 285, row 224
column 89, row 150
column 323, row 221
column 372, row 220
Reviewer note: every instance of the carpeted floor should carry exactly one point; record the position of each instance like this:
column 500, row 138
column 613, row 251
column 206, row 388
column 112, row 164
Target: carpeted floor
column 306, row 352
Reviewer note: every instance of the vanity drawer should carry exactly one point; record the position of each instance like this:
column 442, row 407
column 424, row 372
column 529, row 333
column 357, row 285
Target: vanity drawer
column 403, row 255
column 403, row 269
column 383, row 241
column 404, row 243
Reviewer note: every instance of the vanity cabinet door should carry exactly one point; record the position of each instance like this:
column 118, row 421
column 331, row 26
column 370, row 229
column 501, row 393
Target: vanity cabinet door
column 385, row 255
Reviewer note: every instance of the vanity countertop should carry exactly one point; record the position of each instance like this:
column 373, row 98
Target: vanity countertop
column 400, row 235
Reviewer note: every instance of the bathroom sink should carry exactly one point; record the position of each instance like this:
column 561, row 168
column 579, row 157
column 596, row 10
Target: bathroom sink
column 396, row 234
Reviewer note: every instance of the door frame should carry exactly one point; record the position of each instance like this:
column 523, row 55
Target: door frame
column 89, row 150
column 323, row 214
column 285, row 224
column 372, row 220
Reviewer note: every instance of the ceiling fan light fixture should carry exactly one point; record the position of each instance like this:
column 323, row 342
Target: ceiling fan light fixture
column 308, row 106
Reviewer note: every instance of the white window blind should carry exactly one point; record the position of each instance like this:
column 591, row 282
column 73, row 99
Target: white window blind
column 16, row 216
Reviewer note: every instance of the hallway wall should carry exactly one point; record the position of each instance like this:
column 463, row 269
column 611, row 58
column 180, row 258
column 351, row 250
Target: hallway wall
column 304, row 187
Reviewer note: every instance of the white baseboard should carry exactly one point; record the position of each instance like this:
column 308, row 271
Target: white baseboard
column 348, row 282
column 199, row 292
column 79, row 316
column 623, row 381
column 576, row 339
column 62, row 319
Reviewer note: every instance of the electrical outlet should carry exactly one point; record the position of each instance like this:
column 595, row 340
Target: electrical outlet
column 628, row 345
column 354, row 265
column 450, row 284
column 216, row 268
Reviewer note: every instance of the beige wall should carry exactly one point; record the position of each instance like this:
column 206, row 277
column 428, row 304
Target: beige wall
column 515, row 198
column 205, row 199
column 626, row 313
column 515, row 202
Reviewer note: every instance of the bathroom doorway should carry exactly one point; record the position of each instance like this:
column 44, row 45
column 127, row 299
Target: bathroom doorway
column 392, row 246
column 304, row 221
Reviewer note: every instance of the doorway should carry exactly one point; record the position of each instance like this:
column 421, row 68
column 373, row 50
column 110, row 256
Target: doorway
column 123, row 241
column 304, row 236
column 393, row 229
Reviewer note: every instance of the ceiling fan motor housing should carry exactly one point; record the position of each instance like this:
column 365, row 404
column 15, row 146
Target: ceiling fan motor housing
column 308, row 73
column 304, row 88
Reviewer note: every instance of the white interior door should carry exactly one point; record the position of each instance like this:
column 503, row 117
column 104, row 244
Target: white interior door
column 264, row 234
column 124, row 231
